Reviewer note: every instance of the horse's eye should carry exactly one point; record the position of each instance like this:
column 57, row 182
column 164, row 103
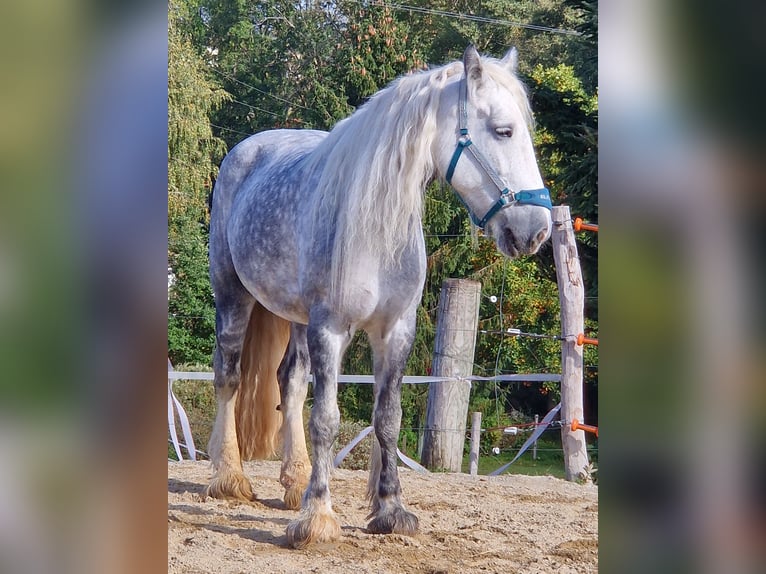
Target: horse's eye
column 504, row 132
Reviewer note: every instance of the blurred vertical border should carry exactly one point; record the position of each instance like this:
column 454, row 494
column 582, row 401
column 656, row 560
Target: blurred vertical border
column 83, row 261
column 681, row 474
column 83, row 273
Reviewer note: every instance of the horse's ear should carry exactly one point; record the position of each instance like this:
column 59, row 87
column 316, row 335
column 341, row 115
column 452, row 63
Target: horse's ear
column 511, row 60
column 473, row 67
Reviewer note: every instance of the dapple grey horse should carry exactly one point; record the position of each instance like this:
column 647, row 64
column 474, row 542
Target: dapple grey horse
column 314, row 235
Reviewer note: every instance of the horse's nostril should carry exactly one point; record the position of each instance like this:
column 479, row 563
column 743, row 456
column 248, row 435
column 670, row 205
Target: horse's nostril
column 510, row 239
column 540, row 237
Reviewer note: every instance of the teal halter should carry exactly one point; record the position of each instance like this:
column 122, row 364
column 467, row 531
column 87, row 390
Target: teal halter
column 540, row 197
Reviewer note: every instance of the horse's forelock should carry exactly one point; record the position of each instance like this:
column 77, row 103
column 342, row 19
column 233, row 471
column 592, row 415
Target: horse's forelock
column 510, row 81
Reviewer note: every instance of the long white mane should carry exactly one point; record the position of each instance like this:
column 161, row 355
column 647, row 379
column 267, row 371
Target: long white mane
column 376, row 163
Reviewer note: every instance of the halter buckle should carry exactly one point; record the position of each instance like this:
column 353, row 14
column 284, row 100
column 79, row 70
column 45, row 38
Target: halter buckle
column 507, row 196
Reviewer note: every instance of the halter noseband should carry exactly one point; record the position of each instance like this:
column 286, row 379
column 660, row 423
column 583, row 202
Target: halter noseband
column 540, row 197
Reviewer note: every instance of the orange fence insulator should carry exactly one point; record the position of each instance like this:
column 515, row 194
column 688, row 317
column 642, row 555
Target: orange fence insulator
column 576, row 425
column 583, row 340
column 580, row 225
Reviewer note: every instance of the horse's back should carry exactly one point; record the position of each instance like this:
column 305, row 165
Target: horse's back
column 251, row 155
column 254, row 217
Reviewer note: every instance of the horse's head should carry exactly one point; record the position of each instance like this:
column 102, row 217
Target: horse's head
column 490, row 161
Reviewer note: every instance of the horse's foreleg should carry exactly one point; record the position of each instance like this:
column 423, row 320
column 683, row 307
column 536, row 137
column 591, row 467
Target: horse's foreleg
column 317, row 521
column 228, row 480
column 293, row 384
column 388, row 513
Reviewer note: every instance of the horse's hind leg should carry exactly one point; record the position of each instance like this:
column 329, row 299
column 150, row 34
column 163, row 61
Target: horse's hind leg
column 391, row 353
column 293, row 384
column 232, row 318
column 317, row 521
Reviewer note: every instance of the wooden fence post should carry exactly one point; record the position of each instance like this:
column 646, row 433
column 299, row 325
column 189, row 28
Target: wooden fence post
column 447, row 409
column 473, row 459
column 572, row 299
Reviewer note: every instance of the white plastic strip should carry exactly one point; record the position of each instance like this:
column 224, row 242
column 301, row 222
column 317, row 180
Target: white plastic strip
column 185, row 426
column 411, row 463
column 532, row 438
column 172, row 423
column 343, row 453
column 530, row 378
column 189, row 376
column 410, row 379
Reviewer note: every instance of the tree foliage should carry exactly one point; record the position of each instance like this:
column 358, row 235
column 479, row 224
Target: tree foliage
column 193, row 154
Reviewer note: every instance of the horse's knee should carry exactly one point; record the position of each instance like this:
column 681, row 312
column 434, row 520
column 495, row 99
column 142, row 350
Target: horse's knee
column 293, row 368
column 227, row 368
column 286, row 369
column 226, row 387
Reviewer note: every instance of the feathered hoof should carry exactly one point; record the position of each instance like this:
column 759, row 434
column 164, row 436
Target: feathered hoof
column 230, row 485
column 293, row 496
column 311, row 529
column 394, row 521
column 295, row 479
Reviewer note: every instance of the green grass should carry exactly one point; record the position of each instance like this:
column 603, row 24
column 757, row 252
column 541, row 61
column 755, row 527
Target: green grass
column 547, row 462
column 550, row 460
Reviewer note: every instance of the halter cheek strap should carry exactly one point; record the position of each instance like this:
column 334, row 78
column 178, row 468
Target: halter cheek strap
column 539, row 197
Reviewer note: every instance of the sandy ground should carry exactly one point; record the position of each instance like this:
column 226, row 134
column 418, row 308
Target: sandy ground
column 507, row 524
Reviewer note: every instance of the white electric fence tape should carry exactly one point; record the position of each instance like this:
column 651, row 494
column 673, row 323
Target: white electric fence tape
column 172, row 424
column 184, row 420
column 410, row 379
column 532, row 438
column 411, row 463
column 343, row 453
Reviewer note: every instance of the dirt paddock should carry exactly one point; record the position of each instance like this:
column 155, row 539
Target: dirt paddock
column 506, row 524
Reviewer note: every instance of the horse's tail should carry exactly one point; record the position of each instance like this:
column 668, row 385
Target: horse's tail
column 258, row 420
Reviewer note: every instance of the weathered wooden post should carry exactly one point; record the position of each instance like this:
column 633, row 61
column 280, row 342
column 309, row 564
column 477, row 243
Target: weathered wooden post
column 473, row 459
column 534, row 444
column 572, row 299
column 447, row 409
